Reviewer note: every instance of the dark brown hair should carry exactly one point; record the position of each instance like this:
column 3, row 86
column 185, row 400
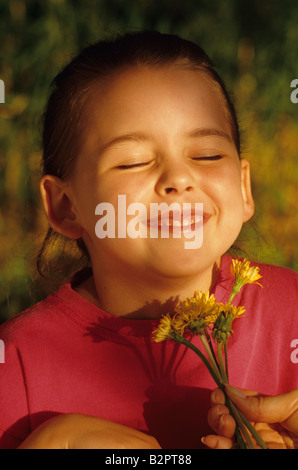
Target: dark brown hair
column 64, row 121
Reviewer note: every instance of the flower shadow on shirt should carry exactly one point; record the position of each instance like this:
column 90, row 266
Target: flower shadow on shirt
column 174, row 410
column 177, row 415
column 130, row 335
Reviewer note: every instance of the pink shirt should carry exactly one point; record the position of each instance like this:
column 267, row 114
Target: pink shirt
column 67, row 355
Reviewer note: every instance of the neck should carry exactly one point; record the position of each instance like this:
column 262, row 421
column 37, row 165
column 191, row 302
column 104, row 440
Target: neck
column 137, row 297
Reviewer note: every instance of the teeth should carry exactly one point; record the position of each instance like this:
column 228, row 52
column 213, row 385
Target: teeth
column 176, row 223
column 186, row 222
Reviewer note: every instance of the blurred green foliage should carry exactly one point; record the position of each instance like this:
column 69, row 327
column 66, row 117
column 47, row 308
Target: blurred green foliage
column 254, row 46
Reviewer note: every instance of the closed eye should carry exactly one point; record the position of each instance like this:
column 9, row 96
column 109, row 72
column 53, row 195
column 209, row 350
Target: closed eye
column 209, row 158
column 132, row 165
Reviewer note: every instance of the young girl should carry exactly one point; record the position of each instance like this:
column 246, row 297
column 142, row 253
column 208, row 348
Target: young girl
column 143, row 116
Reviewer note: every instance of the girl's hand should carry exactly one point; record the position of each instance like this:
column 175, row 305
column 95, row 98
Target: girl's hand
column 77, row 431
column 275, row 418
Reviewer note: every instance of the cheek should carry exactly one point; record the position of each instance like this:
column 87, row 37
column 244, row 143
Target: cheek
column 131, row 192
column 225, row 190
column 230, row 179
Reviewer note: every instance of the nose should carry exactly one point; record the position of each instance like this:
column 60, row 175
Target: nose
column 174, row 178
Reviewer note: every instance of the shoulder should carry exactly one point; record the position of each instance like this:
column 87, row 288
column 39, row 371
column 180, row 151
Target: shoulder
column 279, row 291
column 35, row 318
column 279, row 286
column 277, row 276
column 271, row 274
column 26, row 364
column 273, row 277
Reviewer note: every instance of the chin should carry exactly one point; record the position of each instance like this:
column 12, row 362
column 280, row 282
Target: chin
column 179, row 263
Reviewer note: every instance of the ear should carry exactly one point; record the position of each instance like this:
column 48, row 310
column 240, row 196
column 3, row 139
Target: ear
column 58, row 207
column 249, row 206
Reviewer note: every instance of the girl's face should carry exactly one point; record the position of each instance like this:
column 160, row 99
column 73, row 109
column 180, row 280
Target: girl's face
column 160, row 135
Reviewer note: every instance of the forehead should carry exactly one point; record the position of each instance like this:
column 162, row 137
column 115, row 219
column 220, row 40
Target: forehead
column 158, row 100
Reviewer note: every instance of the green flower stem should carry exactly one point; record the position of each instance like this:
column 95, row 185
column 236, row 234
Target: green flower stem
column 214, row 373
column 221, row 362
column 252, row 430
column 240, row 431
column 241, row 424
column 211, row 347
column 235, row 290
column 226, row 360
column 219, row 375
column 211, row 358
column 239, row 439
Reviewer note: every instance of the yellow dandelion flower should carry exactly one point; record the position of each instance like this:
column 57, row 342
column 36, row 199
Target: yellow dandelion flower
column 164, row 329
column 211, row 319
column 232, row 310
column 181, row 322
column 196, row 313
column 200, row 305
column 244, row 273
column 223, row 325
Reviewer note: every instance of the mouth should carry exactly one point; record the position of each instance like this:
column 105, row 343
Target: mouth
column 178, row 222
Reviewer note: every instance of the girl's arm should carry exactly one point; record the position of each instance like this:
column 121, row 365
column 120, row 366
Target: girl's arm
column 77, row 431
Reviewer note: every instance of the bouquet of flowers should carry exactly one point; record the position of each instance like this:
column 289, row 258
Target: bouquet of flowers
column 201, row 315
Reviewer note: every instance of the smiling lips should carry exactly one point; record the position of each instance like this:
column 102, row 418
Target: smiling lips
column 173, row 221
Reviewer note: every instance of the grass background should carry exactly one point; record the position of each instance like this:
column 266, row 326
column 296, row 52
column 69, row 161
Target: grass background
column 254, row 46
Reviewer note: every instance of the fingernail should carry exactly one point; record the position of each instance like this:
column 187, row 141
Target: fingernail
column 219, row 410
column 221, row 420
column 209, row 442
column 234, row 391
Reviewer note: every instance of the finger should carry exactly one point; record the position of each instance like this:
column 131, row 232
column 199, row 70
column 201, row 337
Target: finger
column 220, row 421
column 277, row 409
column 273, row 434
column 217, row 442
column 214, row 415
column 217, row 397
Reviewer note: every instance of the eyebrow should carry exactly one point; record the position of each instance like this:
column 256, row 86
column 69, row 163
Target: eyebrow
column 143, row 137
column 132, row 137
column 206, row 132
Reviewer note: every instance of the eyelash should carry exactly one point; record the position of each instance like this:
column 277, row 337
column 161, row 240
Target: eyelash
column 136, row 165
column 209, row 158
column 133, row 165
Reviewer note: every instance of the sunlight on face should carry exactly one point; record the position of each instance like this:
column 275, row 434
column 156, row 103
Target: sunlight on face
column 160, row 135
